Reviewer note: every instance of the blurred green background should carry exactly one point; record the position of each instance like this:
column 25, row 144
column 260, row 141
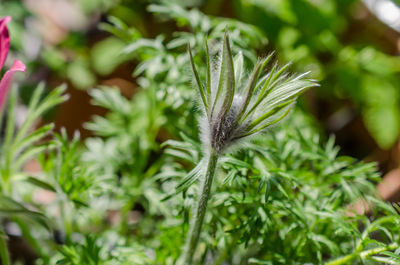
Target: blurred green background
column 345, row 46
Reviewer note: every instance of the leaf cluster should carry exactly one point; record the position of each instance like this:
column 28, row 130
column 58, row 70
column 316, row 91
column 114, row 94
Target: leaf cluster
column 288, row 199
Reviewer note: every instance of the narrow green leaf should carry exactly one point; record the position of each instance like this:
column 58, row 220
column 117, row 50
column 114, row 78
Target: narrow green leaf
column 267, row 85
column 31, row 152
column 8, row 140
column 38, row 134
column 4, row 257
column 281, row 71
column 226, row 83
column 239, row 67
column 262, row 92
column 395, row 257
column 190, row 178
column 80, row 203
column 236, row 162
column 36, row 109
column 12, row 207
column 249, row 90
column 187, row 181
column 196, row 75
column 269, row 114
column 10, row 125
column 41, row 184
column 208, row 81
column 229, row 177
column 268, row 124
column 230, row 76
column 37, row 94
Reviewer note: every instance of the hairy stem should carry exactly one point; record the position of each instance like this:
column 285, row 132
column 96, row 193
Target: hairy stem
column 200, row 210
column 364, row 254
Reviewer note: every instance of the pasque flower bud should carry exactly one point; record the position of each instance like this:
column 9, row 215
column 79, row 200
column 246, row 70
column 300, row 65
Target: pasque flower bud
column 236, row 106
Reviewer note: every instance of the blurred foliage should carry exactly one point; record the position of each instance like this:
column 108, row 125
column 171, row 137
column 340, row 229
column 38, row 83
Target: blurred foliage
column 326, row 37
column 124, row 197
column 320, row 37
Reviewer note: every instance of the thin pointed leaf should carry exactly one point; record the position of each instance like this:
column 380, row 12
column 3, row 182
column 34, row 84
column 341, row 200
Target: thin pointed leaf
column 196, row 75
column 239, row 67
column 250, row 89
column 208, row 81
column 279, row 73
column 266, row 60
column 41, row 184
column 268, row 114
column 262, row 92
column 186, row 182
column 226, row 84
column 287, row 91
column 29, row 140
column 266, row 84
column 270, row 123
column 264, row 64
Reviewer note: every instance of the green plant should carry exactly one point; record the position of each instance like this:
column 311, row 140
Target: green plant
column 303, row 185
column 20, row 145
column 284, row 200
column 236, row 107
column 106, row 250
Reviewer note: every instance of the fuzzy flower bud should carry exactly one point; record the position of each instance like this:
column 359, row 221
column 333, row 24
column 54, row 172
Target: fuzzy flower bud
column 237, row 107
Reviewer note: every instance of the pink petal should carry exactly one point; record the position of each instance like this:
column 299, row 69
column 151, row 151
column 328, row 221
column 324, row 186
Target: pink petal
column 4, row 40
column 5, row 82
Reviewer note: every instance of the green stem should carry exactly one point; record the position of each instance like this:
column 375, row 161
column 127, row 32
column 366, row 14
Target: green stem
column 4, row 258
column 364, row 254
column 201, row 207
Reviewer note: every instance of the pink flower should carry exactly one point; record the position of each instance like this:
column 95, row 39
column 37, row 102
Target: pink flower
column 5, row 82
